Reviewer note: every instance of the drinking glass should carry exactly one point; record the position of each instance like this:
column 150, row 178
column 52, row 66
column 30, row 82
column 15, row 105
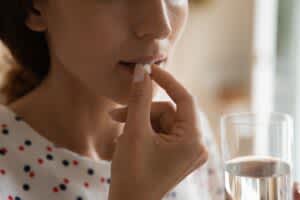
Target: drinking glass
column 257, row 156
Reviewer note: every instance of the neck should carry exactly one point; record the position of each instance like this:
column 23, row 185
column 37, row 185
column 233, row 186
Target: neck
column 66, row 113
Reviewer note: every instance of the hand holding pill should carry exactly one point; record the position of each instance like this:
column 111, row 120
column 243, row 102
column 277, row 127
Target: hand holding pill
column 160, row 144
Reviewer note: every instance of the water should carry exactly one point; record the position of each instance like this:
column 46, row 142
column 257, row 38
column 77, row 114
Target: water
column 258, row 178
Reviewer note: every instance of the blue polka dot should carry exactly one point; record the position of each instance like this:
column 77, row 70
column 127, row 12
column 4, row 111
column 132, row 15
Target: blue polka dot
column 49, row 157
column 27, row 168
column 62, row 186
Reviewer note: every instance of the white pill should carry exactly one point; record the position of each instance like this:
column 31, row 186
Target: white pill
column 147, row 68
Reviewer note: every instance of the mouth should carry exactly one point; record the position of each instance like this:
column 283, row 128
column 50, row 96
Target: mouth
column 130, row 66
column 133, row 64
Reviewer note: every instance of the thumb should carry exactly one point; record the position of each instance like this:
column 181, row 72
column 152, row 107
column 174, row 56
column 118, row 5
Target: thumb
column 140, row 100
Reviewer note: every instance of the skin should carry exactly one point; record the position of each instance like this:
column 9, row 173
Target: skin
column 86, row 42
column 156, row 157
column 296, row 191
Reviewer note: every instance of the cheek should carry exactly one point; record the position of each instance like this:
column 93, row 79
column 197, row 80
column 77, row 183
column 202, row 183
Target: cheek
column 82, row 43
column 86, row 55
column 89, row 50
column 83, row 39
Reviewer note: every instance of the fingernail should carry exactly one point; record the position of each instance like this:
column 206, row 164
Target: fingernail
column 139, row 73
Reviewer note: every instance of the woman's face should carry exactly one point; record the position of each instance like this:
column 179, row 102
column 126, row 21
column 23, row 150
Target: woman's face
column 92, row 38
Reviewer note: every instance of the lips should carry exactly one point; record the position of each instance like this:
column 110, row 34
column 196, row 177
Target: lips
column 132, row 65
column 144, row 60
column 127, row 64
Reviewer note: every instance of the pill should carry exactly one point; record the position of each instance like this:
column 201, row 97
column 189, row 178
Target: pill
column 148, row 68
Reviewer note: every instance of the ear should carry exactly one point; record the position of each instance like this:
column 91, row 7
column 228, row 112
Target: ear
column 36, row 20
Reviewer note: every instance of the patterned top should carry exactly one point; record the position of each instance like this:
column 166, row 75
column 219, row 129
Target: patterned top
column 34, row 168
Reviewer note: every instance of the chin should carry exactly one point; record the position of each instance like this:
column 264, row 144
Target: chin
column 123, row 98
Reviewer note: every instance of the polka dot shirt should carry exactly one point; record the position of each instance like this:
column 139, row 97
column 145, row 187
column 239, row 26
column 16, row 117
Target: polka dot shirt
column 33, row 168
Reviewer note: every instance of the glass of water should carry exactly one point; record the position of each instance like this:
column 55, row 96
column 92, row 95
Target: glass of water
column 257, row 156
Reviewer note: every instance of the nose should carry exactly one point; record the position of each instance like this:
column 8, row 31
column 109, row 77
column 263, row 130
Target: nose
column 152, row 20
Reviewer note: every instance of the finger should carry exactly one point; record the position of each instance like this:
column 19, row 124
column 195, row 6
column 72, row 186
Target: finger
column 179, row 94
column 140, row 100
column 162, row 115
column 119, row 114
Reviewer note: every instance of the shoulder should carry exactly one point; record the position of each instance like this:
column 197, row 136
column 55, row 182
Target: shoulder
column 8, row 116
column 13, row 157
column 10, row 131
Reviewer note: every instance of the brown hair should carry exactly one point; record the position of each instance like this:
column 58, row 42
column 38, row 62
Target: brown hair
column 28, row 59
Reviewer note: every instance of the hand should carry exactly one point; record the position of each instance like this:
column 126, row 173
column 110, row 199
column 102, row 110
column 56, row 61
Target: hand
column 160, row 145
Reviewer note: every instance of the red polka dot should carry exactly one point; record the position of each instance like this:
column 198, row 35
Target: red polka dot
column 102, row 179
column 31, row 174
column 4, row 126
column 49, row 149
column 21, row 148
column 66, row 181
column 75, row 162
column 40, row 161
column 55, row 189
column 2, row 171
column 10, row 197
column 86, row 184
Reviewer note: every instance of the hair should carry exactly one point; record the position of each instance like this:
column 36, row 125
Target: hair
column 28, row 53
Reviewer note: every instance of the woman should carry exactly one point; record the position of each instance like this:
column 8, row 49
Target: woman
column 76, row 62
column 64, row 132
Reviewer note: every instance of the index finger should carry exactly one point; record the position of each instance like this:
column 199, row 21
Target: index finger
column 179, row 94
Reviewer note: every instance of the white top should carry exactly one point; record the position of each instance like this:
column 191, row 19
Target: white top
column 34, row 168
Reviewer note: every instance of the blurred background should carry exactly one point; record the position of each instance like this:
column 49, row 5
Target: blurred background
column 242, row 55
column 238, row 56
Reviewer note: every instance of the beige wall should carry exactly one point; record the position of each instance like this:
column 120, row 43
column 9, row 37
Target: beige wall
column 216, row 51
